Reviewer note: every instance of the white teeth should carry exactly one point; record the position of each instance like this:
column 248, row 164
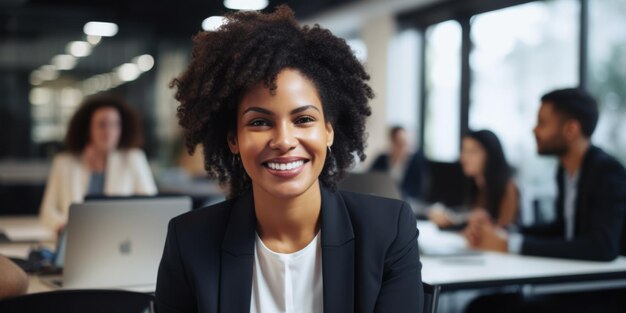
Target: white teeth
column 285, row 166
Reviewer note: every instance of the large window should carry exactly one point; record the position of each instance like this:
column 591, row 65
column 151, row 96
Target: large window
column 443, row 77
column 519, row 54
column 403, row 82
column 607, row 72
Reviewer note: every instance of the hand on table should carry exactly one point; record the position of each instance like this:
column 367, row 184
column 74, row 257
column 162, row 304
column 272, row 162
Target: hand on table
column 483, row 234
column 437, row 214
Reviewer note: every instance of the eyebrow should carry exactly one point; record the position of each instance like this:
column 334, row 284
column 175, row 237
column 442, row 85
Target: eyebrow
column 268, row 112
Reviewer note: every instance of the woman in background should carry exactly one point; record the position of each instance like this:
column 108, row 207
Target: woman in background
column 102, row 157
column 492, row 191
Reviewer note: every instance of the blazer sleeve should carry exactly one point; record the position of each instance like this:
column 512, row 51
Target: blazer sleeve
column 51, row 213
column 144, row 181
column 601, row 242
column 401, row 288
column 173, row 292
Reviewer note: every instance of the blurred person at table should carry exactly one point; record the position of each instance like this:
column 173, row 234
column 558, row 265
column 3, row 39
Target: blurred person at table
column 13, row 281
column 102, row 157
column 590, row 210
column 493, row 195
column 404, row 167
column 591, row 201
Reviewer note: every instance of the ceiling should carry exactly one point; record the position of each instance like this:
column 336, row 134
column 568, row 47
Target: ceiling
column 33, row 31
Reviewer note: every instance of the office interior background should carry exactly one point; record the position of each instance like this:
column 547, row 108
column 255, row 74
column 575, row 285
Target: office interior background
column 438, row 68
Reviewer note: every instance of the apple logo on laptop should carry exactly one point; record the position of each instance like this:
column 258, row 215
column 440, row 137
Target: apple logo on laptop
column 125, row 246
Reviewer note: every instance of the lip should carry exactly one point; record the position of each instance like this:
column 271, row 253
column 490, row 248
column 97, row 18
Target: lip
column 286, row 173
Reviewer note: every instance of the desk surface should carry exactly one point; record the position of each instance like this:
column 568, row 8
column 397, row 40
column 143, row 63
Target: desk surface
column 496, row 269
column 493, row 269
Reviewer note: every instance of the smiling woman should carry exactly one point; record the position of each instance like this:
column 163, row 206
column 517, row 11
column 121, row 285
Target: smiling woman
column 280, row 110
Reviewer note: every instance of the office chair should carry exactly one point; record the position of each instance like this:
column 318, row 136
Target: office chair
column 431, row 296
column 75, row 301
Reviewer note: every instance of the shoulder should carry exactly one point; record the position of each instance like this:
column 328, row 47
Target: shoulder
column 129, row 157
column 607, row 174
column 132, row 153
column 381, row 163
column 370, row 203
column 606, row 162
column 375, row 214
column 64, row 159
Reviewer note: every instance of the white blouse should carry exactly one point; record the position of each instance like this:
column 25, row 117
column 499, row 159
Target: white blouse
column 287, row 283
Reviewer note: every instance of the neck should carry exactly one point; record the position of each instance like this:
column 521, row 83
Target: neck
column 96, row 160
column 397, row 155
column 573, row 158
column 480, row 181
column 288, row 225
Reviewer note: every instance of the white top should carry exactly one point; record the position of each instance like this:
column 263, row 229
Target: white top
column 287, row 283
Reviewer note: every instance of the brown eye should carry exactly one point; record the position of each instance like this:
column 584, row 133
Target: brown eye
column 305, row 119
column 258, row 123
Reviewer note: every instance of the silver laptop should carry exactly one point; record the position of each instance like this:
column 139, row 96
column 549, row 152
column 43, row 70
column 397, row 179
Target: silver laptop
column 116, row 243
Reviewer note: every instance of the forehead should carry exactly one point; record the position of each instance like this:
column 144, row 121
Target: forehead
column 547, row 110
column 471, row 142
column 105, row 114
column 293, row 89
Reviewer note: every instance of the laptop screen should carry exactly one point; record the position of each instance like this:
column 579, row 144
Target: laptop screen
column 59, row 256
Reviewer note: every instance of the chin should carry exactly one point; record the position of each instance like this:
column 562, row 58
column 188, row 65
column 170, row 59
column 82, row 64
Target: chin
column 287, row 190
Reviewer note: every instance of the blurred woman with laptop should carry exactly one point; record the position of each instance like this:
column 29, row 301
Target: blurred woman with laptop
column 492, row 191
column 102, row 157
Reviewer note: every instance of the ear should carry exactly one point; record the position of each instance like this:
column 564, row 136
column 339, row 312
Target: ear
column 330, row 134
column 232, row 143
column 571, row 129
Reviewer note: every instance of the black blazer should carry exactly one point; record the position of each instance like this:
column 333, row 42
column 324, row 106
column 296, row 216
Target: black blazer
column 370, row 258
column 599, row 233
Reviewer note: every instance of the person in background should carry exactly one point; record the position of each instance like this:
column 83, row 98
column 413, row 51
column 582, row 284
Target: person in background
column 102, row 157
column 404, row 167
column 492, row 191
column 13, row 281
column 590, row 208
column 281, row 115
column 395, row 161
column 591, row 199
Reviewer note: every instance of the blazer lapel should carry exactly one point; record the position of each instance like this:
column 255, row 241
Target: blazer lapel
column 337, row 254
column 237, row 259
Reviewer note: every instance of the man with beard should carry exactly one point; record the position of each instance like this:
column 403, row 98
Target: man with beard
column 591, row 202
column 590, row 208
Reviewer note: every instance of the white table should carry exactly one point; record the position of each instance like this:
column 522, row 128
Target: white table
column 535, row 274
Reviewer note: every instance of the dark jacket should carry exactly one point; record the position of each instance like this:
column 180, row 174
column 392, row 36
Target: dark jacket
column 411, row 185
column 370, row 258
column 600, row 214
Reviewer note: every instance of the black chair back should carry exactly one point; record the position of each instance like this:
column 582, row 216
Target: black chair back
column 431, row 296
column 75, row 301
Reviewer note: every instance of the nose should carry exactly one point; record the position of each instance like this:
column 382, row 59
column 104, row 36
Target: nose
column 283, row 138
